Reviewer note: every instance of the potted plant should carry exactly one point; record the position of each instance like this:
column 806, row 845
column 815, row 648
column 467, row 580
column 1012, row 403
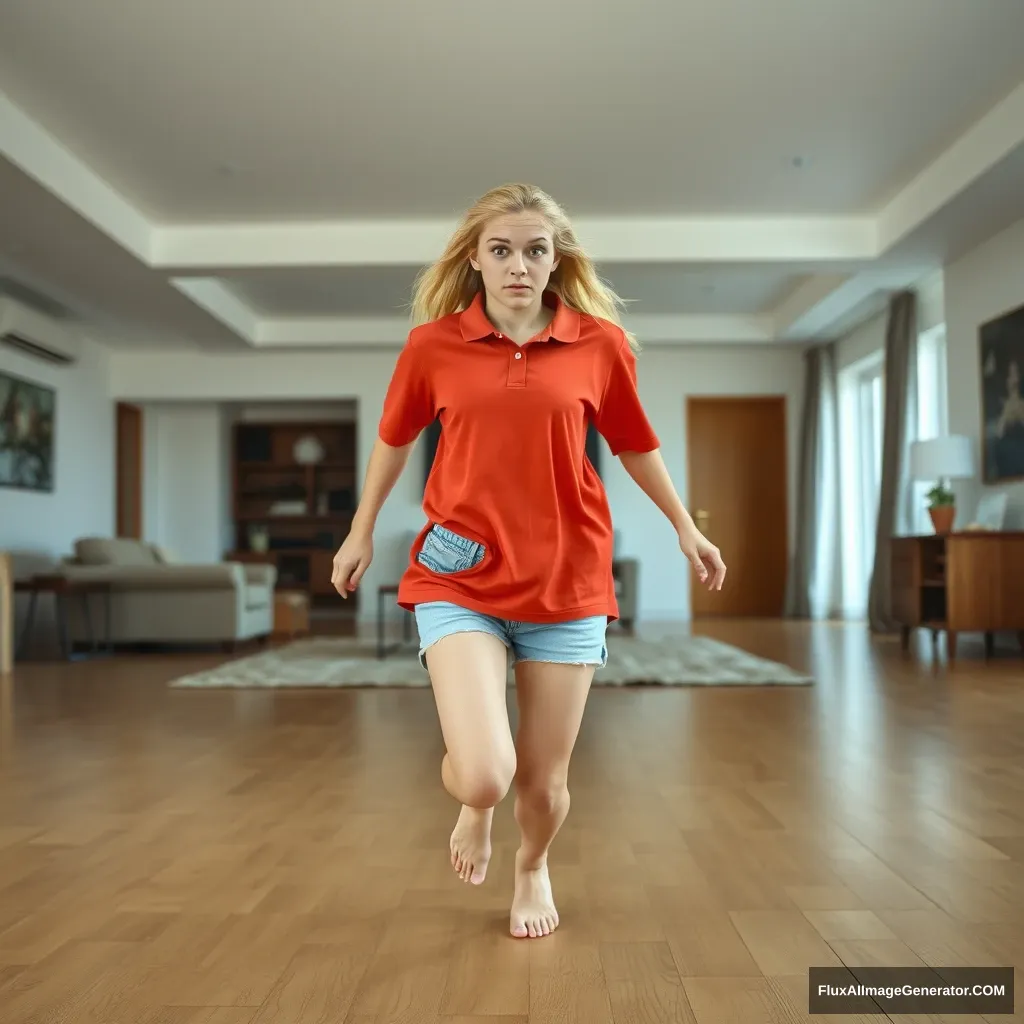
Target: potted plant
column 942, row 507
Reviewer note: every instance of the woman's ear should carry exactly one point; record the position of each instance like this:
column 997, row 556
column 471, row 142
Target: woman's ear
column 472, row 261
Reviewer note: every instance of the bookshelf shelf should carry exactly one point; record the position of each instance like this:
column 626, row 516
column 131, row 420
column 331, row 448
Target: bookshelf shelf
column 288, row 511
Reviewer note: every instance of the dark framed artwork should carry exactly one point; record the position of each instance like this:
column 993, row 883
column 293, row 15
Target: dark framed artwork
column 1001, row 350
column 27, row 415
column 432, row 435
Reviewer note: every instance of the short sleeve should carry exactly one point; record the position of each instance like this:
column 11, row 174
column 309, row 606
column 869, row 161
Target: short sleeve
column 620, row 417
column 408, row 403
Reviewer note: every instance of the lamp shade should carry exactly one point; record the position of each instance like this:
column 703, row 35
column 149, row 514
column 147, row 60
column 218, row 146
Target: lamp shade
column 950, row 457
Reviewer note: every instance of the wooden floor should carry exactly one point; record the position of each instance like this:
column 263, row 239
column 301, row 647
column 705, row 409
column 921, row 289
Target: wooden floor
column 196, row 857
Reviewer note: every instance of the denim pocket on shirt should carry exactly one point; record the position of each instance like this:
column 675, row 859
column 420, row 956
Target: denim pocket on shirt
column 446, row 552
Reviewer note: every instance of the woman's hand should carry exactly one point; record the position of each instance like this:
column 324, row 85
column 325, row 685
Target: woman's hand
column 351, row 561
column 703, row 555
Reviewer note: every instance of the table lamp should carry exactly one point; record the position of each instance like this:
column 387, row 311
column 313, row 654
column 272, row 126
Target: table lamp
column 941, row 459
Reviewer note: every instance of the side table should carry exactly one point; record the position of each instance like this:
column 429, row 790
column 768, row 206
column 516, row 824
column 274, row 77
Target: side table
column 62, row 588
column 291, row 613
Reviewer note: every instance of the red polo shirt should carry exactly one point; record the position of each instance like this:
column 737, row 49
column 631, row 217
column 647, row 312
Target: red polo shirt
column 511, row 471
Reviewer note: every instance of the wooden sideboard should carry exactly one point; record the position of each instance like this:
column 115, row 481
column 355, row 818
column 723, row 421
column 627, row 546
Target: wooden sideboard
column 966, row 582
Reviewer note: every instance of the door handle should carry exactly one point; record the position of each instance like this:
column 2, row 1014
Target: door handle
column 702, row 515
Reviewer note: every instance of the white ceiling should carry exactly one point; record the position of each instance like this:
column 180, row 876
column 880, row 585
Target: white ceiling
column 254, row 173
column 397, row 109
column 56, row 261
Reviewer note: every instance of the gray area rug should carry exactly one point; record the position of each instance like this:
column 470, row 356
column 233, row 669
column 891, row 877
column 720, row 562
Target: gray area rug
column 632, row 661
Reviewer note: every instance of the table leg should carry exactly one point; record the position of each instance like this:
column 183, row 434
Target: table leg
column 87, row 615
column 380, row 624
column 26, row 629
column 108, row 620
column 6, row 615
column 62, row 626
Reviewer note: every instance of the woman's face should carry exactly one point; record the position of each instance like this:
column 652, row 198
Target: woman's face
column 515, row 256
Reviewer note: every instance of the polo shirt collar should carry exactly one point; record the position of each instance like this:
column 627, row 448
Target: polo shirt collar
column 564, row 326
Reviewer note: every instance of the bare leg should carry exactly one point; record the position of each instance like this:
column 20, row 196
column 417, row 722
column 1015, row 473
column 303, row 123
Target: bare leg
column 552, row 699
column 468, row 673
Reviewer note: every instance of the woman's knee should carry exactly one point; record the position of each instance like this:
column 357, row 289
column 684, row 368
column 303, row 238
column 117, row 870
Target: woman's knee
column 485, row 783
column 544, row 793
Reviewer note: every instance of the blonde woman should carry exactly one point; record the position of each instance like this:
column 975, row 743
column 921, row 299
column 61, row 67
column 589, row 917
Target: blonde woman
column 517, row 347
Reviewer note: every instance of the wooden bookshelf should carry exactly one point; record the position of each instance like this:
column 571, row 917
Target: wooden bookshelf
column 302, row 511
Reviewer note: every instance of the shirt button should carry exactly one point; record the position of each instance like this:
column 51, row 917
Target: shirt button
column 519, row 355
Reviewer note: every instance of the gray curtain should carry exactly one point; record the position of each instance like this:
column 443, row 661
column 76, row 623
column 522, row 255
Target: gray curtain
column 810, row 576
column 898, row 430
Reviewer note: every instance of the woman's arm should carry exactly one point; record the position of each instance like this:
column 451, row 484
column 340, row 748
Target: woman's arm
column 355, row 554
column 649, row 472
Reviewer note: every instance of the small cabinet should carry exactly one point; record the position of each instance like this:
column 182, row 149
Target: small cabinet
column 968, row 582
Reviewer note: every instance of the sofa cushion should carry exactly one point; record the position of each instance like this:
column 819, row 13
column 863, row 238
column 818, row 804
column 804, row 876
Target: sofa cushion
column 113, row 551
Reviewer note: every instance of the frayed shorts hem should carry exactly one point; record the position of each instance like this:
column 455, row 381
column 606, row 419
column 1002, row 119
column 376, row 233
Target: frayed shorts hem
column 574, row 642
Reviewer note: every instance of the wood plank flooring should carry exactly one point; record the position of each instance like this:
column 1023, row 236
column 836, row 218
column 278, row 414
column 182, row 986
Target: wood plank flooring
column 197, row 857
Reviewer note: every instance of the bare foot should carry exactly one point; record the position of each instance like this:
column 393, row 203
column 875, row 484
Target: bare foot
column 471, row 844
column 533, row 906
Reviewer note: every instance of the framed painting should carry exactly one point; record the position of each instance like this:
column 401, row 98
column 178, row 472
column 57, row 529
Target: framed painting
column 1001, row 344
column 27, row 412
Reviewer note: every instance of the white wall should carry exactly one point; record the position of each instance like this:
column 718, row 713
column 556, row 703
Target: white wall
column 39, row 528
column 666, row 378
column 185, row 479
column 869, row 338
column 185, row 471
column 985, row 283
column 865, row 340
column 187, row 492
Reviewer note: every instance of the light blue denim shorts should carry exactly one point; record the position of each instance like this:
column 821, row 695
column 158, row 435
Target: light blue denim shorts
column 575, row 642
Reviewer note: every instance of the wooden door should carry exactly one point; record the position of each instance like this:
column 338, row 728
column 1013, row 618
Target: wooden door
column 737, row 470
column 129, row 471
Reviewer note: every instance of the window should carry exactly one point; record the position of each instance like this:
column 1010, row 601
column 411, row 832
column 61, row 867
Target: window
column 862, row 413
column 861, row 424
column 932, row 410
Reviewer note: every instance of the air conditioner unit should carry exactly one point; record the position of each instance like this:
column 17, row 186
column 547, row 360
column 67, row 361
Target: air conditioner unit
column 36, row 334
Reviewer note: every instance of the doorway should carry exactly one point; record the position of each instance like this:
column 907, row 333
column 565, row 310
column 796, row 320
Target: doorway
column 129, row 471
column 738, row 480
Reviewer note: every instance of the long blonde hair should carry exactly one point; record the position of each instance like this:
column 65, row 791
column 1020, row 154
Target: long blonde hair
column 450, row 284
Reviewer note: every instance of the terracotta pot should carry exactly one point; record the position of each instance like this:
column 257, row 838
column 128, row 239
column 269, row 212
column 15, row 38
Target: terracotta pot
column 942, row 517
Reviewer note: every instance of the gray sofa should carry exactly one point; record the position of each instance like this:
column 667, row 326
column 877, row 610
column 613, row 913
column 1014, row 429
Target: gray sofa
column 154, row 599
column 626, row 573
